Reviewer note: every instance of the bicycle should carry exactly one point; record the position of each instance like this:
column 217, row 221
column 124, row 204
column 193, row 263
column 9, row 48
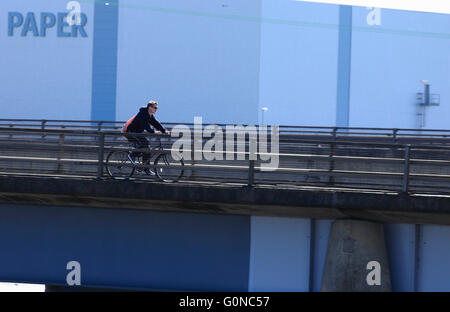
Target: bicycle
column 120, row 166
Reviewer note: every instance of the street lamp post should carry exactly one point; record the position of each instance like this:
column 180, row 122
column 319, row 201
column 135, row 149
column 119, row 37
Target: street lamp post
column 264, row 109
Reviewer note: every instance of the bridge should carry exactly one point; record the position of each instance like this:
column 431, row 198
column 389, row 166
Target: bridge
column 228, row 224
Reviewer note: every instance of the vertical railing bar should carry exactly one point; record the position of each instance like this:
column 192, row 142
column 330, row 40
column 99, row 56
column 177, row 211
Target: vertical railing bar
column 43, row 122
column 405, row 186
column 251, row 173
column 101, row 145
column 100, row 125
column 394, row 135
column 60, row 152
column 331, row 166
column 11, row 135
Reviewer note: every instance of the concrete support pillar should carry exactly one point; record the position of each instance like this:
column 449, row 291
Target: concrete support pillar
column 356, row 258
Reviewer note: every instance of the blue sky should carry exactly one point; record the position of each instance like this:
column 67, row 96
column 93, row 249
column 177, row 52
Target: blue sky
column 438, row 6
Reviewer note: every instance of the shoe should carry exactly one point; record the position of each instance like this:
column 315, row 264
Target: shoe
column 149, row 171
column 132, row 159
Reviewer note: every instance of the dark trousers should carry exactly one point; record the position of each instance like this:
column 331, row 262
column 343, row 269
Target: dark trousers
column 139, row 142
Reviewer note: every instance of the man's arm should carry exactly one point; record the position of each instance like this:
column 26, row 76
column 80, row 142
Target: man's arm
column 156, row 124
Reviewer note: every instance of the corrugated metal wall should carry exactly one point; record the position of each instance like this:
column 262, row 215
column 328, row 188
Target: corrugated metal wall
column 138, row 249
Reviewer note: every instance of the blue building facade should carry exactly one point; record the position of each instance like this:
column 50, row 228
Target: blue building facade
column 309, row 64
column 156, row 250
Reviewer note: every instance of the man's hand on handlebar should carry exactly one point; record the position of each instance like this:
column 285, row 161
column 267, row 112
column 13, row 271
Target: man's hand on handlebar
column 159, row 132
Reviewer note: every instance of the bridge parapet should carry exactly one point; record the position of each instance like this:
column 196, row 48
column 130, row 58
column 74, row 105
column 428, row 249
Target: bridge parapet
column 303, row 161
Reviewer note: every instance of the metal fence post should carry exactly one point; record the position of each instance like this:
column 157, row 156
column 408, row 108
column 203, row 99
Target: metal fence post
column 43, row 122
column 11, row 135
column 251, row 173
column 405, row 186
column 394, row 135
column 101, row 145
column 193, row 161
column 334, row 133
column 331, row 165
column 60, row 152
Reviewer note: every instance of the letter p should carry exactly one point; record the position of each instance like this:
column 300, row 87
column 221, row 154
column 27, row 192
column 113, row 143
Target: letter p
column 15, row 19
column 47, row 20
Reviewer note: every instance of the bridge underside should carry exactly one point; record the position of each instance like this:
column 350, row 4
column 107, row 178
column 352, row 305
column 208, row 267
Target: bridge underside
column 183, row 236
column 315, row 203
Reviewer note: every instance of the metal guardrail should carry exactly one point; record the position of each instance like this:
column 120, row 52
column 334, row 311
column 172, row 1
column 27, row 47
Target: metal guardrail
column 394, row 135
column 304, row 161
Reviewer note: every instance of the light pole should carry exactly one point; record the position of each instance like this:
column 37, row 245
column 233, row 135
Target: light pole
column 264, row 109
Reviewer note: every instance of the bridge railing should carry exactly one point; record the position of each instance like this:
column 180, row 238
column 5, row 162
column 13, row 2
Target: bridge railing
column 388, row 135
column 311, row 161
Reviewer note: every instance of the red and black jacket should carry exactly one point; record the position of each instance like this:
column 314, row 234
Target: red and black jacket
column 143, row 121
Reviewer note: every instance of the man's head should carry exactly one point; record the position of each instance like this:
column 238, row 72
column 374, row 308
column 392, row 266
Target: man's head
column 152, row 107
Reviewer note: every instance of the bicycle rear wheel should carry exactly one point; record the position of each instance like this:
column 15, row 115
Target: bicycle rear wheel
column 119, row 166
column 169, row 174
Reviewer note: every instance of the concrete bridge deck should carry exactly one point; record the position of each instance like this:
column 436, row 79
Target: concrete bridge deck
column 325, row 176
column 300, row 202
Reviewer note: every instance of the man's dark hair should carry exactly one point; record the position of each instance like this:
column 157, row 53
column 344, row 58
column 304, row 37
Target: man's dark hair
column 151, row 103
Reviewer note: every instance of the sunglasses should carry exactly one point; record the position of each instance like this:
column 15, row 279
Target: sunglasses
column 153, row 106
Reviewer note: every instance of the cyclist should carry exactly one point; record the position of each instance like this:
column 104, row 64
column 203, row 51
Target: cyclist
column 143, row 120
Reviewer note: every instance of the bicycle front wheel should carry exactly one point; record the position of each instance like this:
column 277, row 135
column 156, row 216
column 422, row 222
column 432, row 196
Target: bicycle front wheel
column 169, row 169
column 119, row 166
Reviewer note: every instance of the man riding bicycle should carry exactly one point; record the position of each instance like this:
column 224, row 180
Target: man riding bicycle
column 143, row 120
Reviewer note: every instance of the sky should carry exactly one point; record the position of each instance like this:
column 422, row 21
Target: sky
column 436, row 6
